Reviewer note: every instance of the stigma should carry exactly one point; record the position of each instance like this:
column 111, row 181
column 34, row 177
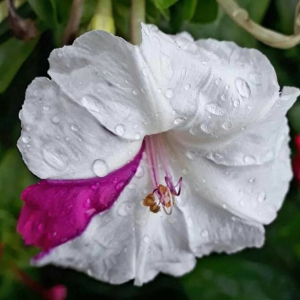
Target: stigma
column 163, row 195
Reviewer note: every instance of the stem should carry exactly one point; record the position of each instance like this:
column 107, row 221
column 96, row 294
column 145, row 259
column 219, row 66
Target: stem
column 266, row 36
column 136, row 18
column 74, row 21
column 103, row 18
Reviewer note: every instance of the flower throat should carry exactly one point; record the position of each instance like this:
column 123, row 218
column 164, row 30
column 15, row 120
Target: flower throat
column 162, row 195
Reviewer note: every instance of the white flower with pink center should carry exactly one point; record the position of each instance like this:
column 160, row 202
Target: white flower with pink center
column 152, row 155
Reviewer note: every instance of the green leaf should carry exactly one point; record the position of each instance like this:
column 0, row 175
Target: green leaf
column 182, row 11
column 13, row 53
column 163, row 4
column 205, row 11
column 46, row 11
column 227, row 278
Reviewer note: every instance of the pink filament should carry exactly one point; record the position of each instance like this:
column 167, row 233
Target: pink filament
column 155, row 153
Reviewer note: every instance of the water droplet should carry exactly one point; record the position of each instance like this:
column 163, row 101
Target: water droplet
column 178, row 121
column 169, row 93
column 215, row 109
column 26, row 139
column 252, row 180
column 123, row 210
column 223, row 98
column 242, row 203
column 100, row 168
column 249, row 159
column 242, row 87
column 131, row 186
column 137, row 136
column 204, row 127
column 204, row 233
column 204, row 63
column 120, row 130
column 134, row 92
column 187, row 87
column 87, row 203
column 145, row 72
column 224, row 206
column 227, row 87
column 218, row 81
column 226, row 125
column 183, row 72
column 193, row 131
column 261, row 197
column 236, row 103
column 185, row 171
column 191, row 154
column 55, row 119
column 41, row 227
column 46, row 107
column 104, row 72
column 159, row 91
column 139, row 172
column 146, row 239
column 120, row 185
column 74, row 127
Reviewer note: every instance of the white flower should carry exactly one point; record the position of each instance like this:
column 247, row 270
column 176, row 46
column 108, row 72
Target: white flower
column 211, row 113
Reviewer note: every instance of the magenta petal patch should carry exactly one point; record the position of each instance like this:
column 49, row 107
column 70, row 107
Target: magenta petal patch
column 56, row 211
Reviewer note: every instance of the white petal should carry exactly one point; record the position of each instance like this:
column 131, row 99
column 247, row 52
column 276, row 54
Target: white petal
column 255, row 144
column 110, row 78
column 63, row 140
column 209, row 82
column 251, row 192
column 128, row 242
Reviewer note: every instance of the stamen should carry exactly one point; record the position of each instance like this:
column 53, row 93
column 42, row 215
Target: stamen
column 162, row 195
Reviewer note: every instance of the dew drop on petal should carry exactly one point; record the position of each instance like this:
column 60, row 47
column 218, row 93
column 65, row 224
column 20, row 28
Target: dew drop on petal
column 249, row 159
column 41, row 227
column 46, row 107
column 137, row 136
column 120, row 130
column 134, row 92
column 100, row 168
column 123, row 210
column 217, row 81
column 191, row 154
column 226, row 125
column 55, row 119
column 204, row 233
column 26, row 139
column 169, row 93
column 178, row 121
column 215, row 109
column 146, row 239
column 139, row 172
column 187, row 87
column 261, row 197
column 74, row 127
column 242, row 87
column 120, row 185
column 236, row 103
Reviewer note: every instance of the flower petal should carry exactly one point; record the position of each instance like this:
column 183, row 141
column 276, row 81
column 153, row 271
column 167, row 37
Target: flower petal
column 129, row 242
column 255, row 144
column 110, row 78
column 209, row 83
column 63, row 140
column 56, row 211
column 250, row 192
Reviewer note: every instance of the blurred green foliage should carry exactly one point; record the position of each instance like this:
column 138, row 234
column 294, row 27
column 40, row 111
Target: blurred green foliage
column 269, row 273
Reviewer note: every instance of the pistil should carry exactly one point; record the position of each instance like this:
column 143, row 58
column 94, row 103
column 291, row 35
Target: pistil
column 162, row 195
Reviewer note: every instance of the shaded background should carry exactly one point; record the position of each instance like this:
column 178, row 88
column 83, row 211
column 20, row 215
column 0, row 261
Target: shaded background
column 270, row 273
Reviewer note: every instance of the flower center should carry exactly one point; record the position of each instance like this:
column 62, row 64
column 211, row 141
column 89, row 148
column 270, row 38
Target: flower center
column 162, row 195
